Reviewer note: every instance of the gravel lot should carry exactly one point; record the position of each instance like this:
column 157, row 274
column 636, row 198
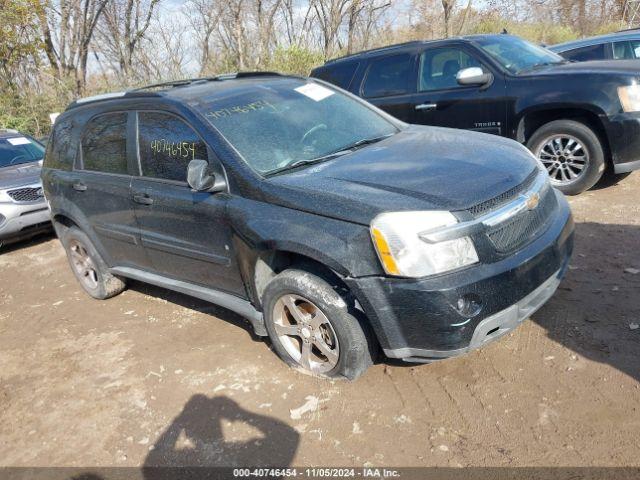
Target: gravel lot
column 154, row 378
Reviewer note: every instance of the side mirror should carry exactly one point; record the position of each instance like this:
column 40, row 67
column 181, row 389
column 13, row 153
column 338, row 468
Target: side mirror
column 473, row 76
column 199, row 176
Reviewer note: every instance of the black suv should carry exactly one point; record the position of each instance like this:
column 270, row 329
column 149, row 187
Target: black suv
column 333, row 227
column 579, row 119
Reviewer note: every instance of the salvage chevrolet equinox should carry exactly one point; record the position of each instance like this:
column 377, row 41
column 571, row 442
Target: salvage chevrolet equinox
column 337, row 230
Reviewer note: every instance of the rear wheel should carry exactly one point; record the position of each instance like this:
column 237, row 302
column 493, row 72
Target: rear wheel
column 311, row 327
column 572, row 154
column 88, row 267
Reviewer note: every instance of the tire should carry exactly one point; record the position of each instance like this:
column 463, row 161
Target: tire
column 564, row 145
column 88, row 267
column 314, row 301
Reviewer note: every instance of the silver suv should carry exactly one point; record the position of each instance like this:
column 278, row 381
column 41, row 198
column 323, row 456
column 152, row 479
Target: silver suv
column 24, row 211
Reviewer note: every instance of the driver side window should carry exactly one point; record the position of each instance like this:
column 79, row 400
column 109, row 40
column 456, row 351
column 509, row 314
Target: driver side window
column 439, row 67
column 167, row 145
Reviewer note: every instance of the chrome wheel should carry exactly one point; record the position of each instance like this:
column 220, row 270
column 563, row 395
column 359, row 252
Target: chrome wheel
column 306, row 333
column 83, row 265
column 565, row 158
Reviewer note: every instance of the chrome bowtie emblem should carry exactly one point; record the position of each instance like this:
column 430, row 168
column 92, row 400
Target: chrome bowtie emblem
column 532, row 201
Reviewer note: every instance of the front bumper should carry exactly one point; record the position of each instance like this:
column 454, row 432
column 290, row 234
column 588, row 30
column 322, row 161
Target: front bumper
column 23, row 219
column 418, row 320
column 623, row 132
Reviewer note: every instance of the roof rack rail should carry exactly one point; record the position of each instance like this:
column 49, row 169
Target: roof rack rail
column 632, row 29
column 143, row 91
column 191, row 81
column 375, row 50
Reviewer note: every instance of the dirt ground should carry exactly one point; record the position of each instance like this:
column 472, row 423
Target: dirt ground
column 154, row 378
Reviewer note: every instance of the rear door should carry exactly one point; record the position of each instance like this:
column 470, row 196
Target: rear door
column 100, row 187
column 440, row 100
column 184, row 232
column 388, row 84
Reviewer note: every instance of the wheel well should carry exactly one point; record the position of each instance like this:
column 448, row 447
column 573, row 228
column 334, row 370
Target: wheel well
column 534, row 120
column 62, row 223
column 271, row 263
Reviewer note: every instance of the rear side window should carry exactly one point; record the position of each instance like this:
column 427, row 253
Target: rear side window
column 388, row 76
column 592, row 52
column 628, row 50
column 167, row 145
column 104, row 144
column 61, row 151
column 340, row 75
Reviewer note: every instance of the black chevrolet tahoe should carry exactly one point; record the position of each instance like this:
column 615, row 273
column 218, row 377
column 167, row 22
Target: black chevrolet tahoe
column 580, row 119
column 336, row 229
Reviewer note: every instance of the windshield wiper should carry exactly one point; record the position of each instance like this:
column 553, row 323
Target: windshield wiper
column 335, row 154
column 535, row 66
column 310, row 161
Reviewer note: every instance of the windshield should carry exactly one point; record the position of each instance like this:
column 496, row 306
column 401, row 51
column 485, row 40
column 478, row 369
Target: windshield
column 292, row 122
column 516, row 54
column 17, row 150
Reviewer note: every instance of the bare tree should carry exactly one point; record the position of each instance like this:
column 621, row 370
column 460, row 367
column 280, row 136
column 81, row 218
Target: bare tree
column 121, row 29
column 68, row 27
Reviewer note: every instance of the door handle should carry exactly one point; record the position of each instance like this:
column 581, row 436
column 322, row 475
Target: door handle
column 427, row 106
column 79, row 187
column 143, row 199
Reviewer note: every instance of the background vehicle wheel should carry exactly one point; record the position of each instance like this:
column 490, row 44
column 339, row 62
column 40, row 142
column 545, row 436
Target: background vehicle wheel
column 311, row 327
column 572, row 154
column 88, row 266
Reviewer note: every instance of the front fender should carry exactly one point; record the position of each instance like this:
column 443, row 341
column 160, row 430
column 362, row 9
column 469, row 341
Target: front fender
column 344, row 247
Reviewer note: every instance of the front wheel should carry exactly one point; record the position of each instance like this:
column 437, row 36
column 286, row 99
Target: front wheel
column 311, row 328
column 572, row 154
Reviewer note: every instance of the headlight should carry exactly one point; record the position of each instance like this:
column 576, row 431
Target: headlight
column 396, row 236
column 630, row 98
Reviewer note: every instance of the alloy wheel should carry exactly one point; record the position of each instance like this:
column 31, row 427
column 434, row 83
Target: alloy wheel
column 306, row 333
column 565, row 158
column 83, row 265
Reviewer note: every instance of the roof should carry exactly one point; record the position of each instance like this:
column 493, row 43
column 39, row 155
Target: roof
column 181, row 88
column 587, row 42
column 9, row 133
column 399, row 46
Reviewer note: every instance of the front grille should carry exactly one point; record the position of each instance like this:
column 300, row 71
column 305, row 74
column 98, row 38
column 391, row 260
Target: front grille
column 496, row 202
column 524, row 227
column 27, row 194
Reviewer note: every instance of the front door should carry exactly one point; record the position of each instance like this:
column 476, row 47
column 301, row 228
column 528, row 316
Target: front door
column 440, row 100
column 99, row 187
column 184, row 232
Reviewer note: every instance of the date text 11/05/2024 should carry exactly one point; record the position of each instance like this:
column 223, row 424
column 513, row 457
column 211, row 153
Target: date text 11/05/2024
column 367, row 472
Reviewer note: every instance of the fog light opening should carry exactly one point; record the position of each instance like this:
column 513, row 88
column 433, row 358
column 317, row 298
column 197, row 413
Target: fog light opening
column 469, row 305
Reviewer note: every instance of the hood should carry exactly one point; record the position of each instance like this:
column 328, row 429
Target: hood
column 18, row 175
column 607, row 67
column 420, row 168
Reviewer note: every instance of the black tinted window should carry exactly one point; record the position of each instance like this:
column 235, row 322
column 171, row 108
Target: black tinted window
column 167, row 145
column 388, row 76
column 340, row 75
column 104, row 145
column 439, row 67
column 592, row 52
column 629, row 50
column 60, row 150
